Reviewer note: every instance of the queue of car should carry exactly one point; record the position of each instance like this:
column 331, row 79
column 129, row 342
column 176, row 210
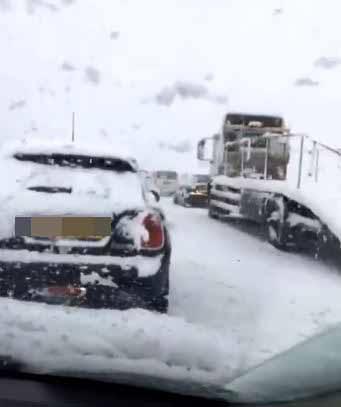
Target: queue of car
column 188, row 190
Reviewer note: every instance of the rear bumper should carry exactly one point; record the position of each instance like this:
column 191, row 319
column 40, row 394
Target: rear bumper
column 167, row 193
column 197, row 200
column 110, row 282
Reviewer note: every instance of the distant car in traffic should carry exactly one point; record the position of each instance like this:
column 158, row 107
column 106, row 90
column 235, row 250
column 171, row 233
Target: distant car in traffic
column 194, row 195
column 77, row 228
column 166, row 181
column 200, row 178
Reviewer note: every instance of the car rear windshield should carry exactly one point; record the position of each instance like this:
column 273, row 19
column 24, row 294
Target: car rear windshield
column 243, row 119
column 167, row 174
column 201, row 178
column 77, row 161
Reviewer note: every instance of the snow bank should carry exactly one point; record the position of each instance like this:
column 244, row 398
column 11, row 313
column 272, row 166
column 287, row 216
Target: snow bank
column 52, row 339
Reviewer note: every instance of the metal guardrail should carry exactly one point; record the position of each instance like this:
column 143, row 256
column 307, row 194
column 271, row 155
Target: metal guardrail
column 315, row 156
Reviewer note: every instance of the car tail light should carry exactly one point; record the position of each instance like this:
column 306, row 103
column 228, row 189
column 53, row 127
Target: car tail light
column 155, row 236
column 138, row 231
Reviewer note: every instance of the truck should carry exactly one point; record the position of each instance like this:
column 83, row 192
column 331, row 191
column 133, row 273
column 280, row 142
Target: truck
column 288, row 183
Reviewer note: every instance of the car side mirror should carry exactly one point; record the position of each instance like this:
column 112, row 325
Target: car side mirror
column 205, row 149
column 155, row 194
column 201, row 150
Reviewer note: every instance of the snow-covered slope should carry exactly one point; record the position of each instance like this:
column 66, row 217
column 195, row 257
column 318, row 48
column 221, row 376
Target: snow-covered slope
column 157, row 76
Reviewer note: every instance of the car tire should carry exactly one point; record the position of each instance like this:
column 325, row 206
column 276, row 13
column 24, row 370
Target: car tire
column 275, row 225
column 327, row 245
column 160, row 304
column 275, row 235
column 186, row 204
column 212, row 213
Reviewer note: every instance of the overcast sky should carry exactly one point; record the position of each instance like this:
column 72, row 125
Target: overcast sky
column 159, row 75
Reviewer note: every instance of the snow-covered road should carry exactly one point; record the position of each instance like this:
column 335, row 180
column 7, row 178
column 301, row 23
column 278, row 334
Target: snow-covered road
column 227, row 277
column 234, row 302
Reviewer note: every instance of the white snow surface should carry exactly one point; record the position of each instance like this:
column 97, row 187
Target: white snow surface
column 235, row 301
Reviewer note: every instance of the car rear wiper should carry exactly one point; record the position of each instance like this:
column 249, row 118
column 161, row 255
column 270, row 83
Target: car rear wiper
column 51, row 190
column 9, row 364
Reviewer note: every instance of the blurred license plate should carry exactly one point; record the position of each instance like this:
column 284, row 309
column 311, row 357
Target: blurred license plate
column 70, row 227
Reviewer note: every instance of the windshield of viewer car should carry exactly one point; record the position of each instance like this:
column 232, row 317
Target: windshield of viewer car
column 170, row 205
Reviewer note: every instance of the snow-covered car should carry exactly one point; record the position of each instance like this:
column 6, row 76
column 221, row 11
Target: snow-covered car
column 191, row 195
column 78, row 229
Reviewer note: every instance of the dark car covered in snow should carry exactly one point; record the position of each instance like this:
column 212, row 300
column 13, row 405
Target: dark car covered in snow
column 78, row 228
column 194, row 195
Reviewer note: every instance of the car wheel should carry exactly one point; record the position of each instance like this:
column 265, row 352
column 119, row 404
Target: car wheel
column 212, row 213
column 276, row 235
column 186, row 204
column 327, row 245
column 276, row 227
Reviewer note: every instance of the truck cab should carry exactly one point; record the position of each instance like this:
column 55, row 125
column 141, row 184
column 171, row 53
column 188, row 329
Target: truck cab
column 243, row 145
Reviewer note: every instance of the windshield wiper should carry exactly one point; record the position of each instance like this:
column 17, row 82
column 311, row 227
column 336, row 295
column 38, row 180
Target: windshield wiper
column 51, row 190
column 9, row 364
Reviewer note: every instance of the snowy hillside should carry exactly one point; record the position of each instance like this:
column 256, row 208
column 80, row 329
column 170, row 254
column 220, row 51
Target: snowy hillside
column 157, row 76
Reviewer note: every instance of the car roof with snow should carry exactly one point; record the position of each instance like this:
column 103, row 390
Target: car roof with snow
column 74, row 182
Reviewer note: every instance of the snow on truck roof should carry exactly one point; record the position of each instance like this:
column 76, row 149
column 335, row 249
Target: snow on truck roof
column 43, row 146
